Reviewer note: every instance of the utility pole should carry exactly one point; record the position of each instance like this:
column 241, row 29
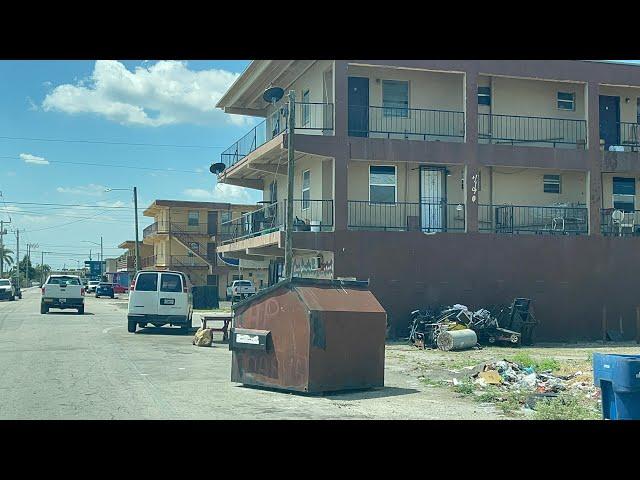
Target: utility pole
column 135, row 209
column 29, row 247
column 101, row 259
column 42, row 269
column 288, row 247
column 2, row 233
column 18, row 257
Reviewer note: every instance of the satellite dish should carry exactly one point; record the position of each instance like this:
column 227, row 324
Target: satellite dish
column 217, row 168
column 617, row 216
column 273, row 94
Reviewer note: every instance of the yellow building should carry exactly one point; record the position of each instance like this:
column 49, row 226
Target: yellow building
column 185, row 236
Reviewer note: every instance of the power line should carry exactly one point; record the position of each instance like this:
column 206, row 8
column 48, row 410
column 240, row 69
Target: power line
column 105, row 142
column 85, row 205
column 111, row 165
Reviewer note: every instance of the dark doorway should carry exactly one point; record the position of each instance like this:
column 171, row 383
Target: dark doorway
column 212, row 280
column 212, row 223
column 358, row 102
column 211, row 253
column 610, row 120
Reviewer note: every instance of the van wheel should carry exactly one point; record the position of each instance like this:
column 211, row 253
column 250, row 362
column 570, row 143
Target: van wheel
column 44, row 309
column 131, row 327
column 81, row 310
column 12, row 298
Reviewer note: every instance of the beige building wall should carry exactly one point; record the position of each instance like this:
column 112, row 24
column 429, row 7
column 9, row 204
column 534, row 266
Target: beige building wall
column 513, row 186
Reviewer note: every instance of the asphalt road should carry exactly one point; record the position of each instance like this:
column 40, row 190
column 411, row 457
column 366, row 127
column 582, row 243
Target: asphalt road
column 68, row 366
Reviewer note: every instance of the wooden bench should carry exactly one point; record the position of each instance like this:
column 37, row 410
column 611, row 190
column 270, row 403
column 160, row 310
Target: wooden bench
column 226, row 319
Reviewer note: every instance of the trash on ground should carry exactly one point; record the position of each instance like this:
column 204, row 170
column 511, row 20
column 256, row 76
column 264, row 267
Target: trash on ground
column 513, row 325
column 203, row 337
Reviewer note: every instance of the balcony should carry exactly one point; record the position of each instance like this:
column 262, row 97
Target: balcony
column 629, row 134
column 563, row 219
column 405, row 216
column 310, row 118
column 406, row 123
column 532, row 131
column 188, row 261
column 622, row 224
column 309, row 215
column 125, row 262
column 148, row 262
column 150, row 230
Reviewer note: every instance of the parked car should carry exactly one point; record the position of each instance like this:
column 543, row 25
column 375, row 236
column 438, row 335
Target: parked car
column 7, row 290
column 105, row 289
column 91, row 287
column 62, row 291
column 35, row 284
column 120, row 288
column 160, row 298
column 240, row 289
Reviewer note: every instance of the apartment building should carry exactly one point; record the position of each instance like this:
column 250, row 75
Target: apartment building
column 450, row 182
column 185, row 236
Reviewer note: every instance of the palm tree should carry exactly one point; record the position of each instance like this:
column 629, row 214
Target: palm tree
column 5, row 255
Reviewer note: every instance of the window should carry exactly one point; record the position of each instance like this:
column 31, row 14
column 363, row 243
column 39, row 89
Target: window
column 194, row 218
column 566, row 101
column 382, row 184
column 170, row 282
column 64, row 281
column 552, row 184
column 147, row 282
column 395, row 98
column 6, row 282
column 306, row 109
column 225, row 217
column 306, row 189
column 624, row 193
column 484, row 95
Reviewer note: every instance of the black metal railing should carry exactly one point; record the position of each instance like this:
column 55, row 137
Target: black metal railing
column 309, row 117
column 410, row 123
column 406, row 216
column 620, row 224
column 629, row 135
column 517, row 129
column 309, row 215
column 150, row 230
column 188, row 261
column 561, row 219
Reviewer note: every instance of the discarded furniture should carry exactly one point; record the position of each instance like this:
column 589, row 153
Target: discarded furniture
column 309, row 335
column 225, row 319
column 618, row 377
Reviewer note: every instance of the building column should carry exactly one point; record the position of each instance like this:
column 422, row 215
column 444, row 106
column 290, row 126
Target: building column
column 340, row 98
column 340, row 190
column 472, row 167
column 594, row 158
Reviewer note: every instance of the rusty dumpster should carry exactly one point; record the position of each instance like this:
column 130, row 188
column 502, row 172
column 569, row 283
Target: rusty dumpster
column 309, row 335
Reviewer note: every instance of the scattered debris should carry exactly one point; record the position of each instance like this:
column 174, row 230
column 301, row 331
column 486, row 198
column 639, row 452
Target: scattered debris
column 513, row 325
column 203, row 337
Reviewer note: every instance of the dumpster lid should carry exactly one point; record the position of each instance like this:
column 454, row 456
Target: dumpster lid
column 324, row 295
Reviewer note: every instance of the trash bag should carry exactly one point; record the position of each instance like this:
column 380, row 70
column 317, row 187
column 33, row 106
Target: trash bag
column 203, row 337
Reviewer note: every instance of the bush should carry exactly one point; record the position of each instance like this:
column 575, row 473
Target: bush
column 565, row 407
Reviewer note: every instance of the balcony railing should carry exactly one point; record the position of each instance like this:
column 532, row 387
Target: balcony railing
column 409, row 123
column 150, row 230
column 309, row 215
column 148, row 262
column 125, row 262
column 533, row 131
column 561, row 219
column 404, row 216
column 309, row 117
column 629, row 135
column 622, row 224
column 188, row 261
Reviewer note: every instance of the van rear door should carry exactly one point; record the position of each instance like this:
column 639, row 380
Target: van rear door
column 144, row 299
column 173, row 300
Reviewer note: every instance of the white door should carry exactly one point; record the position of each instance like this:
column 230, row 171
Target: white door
column 432, row 199
column 173, row 300
column 144, row 299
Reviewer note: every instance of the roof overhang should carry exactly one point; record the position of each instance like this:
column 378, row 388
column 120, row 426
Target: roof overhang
column 244, row 96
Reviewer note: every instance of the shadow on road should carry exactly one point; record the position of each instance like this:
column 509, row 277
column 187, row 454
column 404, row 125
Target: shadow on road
column 345, row 394
column 69, row 313
column 164, row 331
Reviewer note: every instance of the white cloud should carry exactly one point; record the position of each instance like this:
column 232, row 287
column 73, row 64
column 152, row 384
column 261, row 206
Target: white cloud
column 28, row 158
column 32, row 106
column 163, row 93
column 91, row 189
column 222, row 193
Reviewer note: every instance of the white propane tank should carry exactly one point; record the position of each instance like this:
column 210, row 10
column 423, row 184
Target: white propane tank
column 457, row 340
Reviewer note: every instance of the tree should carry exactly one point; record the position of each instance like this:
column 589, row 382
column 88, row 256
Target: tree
column 5, row 257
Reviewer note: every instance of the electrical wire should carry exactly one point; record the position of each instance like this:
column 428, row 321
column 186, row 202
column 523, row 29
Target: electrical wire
column 105, row 142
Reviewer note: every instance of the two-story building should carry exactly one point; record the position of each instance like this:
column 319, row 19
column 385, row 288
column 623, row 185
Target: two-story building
column 451, row 182
column 185, row 236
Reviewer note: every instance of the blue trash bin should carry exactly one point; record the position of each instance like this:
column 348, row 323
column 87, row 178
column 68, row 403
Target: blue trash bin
column 618, row 377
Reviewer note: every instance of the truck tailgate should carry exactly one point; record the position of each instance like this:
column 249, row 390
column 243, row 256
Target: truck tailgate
column 61, row 291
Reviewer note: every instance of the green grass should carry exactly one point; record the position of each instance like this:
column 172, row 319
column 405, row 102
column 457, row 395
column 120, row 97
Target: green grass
column 542, row 365
column 465, row 388
column 566, row 407
column 433, row 383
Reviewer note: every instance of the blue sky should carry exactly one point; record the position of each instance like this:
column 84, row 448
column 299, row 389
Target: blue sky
column 130, row 101
column 156, row 102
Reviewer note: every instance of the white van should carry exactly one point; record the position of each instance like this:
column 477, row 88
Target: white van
column 160, row 297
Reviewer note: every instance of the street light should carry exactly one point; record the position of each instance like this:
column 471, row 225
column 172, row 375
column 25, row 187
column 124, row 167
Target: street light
column 135, row 209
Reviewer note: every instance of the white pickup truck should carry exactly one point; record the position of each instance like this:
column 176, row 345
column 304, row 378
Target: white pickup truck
column 62, row 291
column 240, row 289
